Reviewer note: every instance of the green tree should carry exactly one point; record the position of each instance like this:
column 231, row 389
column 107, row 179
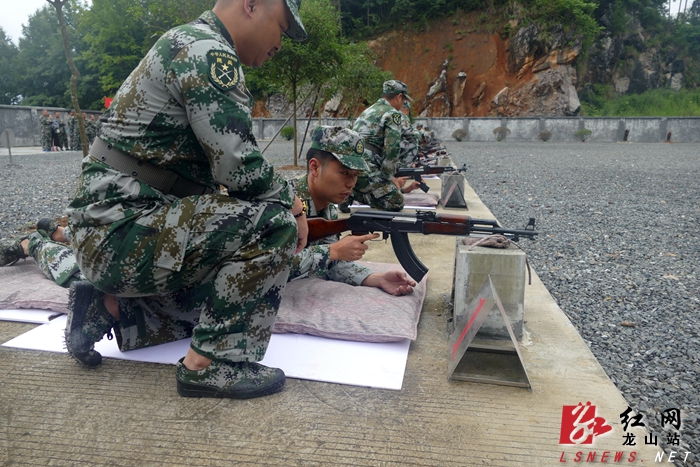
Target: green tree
column 75, row 74
column 116, row 39
column 8, row 83
column 309, row 64
column 41, row 61
column 360, row 79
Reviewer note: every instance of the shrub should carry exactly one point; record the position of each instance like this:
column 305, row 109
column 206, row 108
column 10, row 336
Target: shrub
column 583, row 134
column 459, row 134
column 501, row 132
column 287, row 133
column 545, row 135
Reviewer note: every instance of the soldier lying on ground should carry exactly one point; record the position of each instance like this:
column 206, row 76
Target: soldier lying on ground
column 333, row 164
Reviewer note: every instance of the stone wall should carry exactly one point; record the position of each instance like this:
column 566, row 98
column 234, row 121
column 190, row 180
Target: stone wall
column 24, row 121
column 562, row 129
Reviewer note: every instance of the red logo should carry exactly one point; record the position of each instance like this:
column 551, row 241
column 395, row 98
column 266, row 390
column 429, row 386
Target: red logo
column 579, row 424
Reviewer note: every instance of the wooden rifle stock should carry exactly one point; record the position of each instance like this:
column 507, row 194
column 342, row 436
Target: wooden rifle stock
column 321, row 228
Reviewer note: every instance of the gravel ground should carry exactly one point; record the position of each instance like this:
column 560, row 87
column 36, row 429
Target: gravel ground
column 618, row 248
column 618, row 251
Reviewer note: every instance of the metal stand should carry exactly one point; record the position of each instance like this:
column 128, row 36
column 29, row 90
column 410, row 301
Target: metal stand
column 453, row 186
column 500, row 362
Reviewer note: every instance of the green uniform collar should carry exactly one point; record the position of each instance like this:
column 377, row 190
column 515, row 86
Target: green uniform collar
column 212, row 20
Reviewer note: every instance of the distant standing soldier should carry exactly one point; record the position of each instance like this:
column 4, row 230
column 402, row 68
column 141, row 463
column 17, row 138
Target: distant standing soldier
column 61, row 136
column 45, row 126
column 71, row 127
column 381, row 128
column 91, row 129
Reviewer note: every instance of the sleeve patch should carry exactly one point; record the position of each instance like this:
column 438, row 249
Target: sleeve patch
column 396, row 118
column 223, row 69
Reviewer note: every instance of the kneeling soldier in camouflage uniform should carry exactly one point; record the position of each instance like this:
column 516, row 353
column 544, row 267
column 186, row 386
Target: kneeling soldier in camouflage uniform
column 150, row 227
column 333, row 165
column 381, row 128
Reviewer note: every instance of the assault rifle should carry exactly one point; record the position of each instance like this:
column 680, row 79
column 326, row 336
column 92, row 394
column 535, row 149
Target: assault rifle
column 399, row 225
column 416, row 173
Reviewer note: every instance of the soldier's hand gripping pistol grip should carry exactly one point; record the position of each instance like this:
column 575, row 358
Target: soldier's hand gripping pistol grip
column 416, row 173
column 399, row 225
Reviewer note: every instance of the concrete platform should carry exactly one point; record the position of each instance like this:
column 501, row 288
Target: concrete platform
column 54, row 412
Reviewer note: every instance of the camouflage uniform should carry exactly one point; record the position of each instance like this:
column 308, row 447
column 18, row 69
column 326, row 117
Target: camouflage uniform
column 45, row 124
column 74, row 133
column 213, row 266
column 408, row 147
column 314, row 260
column 90, row 130
column 56, row 260
column 380, row 125
column 62, row 137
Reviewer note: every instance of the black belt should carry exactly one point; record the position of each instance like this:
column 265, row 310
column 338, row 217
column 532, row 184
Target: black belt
column 161, row 179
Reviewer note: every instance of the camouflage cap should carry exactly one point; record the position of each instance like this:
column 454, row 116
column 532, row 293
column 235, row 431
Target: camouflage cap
column 296, row 30
column 396, row 87
column 345, row 144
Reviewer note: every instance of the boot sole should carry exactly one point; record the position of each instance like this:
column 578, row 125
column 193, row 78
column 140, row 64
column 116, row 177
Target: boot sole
column 197, row 390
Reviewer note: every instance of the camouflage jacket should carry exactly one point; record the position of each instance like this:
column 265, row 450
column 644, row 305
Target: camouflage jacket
column 380, row 125
column 408, row 147
column 314, row 260
column 185, row 108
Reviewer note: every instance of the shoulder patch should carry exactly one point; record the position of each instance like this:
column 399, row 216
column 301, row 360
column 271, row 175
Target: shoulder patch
column 360, row 147
column 223, row 69
column 396, row 118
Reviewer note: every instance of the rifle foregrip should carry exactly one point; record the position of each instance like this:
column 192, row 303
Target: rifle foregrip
column 408, row 259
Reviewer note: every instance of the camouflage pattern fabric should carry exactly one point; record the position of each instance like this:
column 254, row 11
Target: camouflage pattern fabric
column 408, row 147
column 56, row 260
column 45, row 125
column 380, row 125
column 90, row 130
column 75, row 141
column 62, row 136
column 314, row 260
column 212, row 266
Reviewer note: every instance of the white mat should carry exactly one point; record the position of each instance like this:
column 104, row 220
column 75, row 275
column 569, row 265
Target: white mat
column 378, row 365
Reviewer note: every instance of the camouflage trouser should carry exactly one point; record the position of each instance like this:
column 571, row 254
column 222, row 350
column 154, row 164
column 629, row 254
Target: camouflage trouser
column 208, row 266
column 377, row 192
column 46, row 138
column 56, row 260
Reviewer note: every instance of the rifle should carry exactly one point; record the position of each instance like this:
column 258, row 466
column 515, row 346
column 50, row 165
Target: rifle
column 416, row 173
column 399, row 225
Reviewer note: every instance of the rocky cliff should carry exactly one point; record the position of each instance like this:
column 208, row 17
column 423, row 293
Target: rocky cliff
column 456, row 68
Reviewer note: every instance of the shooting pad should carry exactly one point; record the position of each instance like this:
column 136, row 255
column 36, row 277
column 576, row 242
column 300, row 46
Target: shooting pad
column 371, row 364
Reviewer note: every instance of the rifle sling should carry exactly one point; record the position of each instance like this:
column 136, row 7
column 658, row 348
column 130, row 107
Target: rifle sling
column 161, row 179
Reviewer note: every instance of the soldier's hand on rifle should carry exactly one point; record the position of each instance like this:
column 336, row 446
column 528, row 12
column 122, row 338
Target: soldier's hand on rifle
column 414, row 185
column 392, row 282
column 399, row 182
column 351, row 247
column 302, row 226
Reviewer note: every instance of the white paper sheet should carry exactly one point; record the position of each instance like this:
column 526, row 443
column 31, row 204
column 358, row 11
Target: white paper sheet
column 378, row 365
column 29, row 316
column 418, row 208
